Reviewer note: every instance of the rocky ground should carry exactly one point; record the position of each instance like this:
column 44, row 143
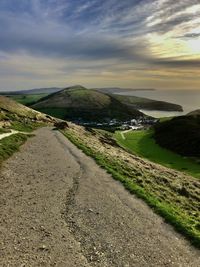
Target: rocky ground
column 58, row 208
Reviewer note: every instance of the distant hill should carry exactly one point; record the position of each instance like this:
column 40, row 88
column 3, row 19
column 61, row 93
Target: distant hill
column 194, row 113
column 114, row 90
column 33, row 91
column 148, row 104
column 180, row 134
column 77, row 102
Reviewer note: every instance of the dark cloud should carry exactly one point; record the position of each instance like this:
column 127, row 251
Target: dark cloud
column 171, row 23
column 177, row 63
column 52, row 39
column 190, row 36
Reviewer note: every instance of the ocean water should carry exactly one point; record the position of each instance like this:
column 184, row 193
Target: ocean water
column 188, row 99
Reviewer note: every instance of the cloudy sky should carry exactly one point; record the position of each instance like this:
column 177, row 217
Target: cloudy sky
column 100, row 43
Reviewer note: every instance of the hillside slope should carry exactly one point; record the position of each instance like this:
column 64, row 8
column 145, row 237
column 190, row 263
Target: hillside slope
column 180, row 134
column 172, row 194
column 13, row 111
column 78, row 102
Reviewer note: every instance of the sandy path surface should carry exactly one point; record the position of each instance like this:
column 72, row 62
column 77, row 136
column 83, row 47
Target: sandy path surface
column 58, row 208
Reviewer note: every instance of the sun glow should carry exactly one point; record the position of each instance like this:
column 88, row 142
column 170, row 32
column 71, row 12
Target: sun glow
column 193, row 46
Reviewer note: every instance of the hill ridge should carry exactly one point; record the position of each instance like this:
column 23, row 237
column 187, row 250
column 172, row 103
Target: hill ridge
column 79, row 102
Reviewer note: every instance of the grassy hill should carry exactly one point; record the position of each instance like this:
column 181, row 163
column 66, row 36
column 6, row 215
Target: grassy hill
column 78, row 102
column 148, row 104
column 16, row 116
column 180, row 134
column 11, row 110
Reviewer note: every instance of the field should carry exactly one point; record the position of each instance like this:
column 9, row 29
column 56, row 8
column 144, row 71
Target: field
column 11, row 144
column 142, row 144
column 27, row 99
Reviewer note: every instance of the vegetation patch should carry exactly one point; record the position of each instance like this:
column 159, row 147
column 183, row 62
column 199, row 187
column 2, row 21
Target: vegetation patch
column 26, row 127
column 143, row 144
column 174, row 197
column 4, row 130
column 11, row 144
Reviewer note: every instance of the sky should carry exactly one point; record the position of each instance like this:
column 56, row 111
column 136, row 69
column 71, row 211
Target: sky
column 100, row 43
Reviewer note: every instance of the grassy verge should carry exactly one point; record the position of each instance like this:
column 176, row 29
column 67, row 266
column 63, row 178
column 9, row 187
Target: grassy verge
column 173, row 211
column 4, row 130
column 11, row 144
column 143, row 144
column 25, row 127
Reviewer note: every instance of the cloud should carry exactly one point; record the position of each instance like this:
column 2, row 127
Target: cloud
column 55, row 39
column 86, row 37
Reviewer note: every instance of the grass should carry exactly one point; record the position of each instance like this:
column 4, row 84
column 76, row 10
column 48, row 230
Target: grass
column 143, row 144
column 27, row 99
column 174, row 211
column 4, row 130
column 54, row 112
column 11, row 144
column 165, row 119
column 25, row 127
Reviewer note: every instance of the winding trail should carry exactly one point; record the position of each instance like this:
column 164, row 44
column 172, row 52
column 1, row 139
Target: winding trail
column 58, row 208
column 123, row 132
column 3, row 135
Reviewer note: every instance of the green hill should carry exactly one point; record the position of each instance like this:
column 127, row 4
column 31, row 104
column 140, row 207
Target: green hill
column 180, row 134
column 148, row 104
column 78, row 102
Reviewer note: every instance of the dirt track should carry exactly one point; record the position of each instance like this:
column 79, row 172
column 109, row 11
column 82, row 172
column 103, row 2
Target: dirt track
column 58, row 208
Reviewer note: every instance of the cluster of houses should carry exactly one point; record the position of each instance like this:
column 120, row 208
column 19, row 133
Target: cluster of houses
column 134, row 124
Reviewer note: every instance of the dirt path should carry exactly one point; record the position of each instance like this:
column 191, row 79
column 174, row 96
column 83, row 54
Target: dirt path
column 122, row 133
column 58, row 208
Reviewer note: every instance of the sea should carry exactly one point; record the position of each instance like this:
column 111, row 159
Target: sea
column 188, row 99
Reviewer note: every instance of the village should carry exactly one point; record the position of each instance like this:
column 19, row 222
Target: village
column 134, row 124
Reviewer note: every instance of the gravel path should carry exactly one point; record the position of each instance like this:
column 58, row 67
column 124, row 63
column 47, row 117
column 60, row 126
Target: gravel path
column 58, row 208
